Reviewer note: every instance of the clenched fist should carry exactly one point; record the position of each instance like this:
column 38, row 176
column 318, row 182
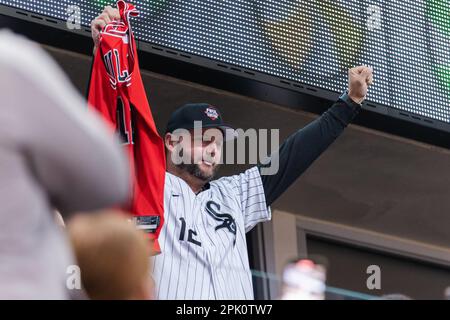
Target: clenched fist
column 108, row 15
column 359, row 80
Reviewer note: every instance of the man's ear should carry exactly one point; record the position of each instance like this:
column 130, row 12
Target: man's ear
column 167, row 141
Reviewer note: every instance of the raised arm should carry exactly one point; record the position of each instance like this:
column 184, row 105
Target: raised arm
column 108, row 15
column 300, row 150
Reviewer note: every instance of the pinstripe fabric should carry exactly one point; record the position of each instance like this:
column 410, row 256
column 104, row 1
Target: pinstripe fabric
column 204, row 249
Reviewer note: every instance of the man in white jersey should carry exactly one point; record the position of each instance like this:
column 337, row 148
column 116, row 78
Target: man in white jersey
column 203, row 244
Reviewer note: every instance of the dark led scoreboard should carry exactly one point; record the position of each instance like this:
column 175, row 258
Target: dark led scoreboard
column 305, row 45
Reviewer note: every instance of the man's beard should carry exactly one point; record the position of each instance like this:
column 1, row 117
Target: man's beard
column 194, row 170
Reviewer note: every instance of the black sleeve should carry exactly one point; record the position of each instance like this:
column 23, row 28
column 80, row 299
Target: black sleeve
column 300, row 150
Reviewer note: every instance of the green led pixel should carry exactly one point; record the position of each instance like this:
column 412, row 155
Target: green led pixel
column 347, row 34
column 292, row 37
column 438, row 12
column 443, row 72
column 154, row 5
column 104, row 3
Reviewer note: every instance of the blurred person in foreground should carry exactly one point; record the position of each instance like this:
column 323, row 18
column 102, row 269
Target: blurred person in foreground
column 113, row 257
column 53, row 155
column 394, row 296
column 303, row 279
column 447, row 293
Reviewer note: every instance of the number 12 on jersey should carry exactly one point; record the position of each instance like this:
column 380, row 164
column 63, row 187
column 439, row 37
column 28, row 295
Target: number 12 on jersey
column 191, row 234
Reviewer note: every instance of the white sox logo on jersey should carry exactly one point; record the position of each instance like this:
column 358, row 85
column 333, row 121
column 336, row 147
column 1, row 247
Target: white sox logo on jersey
column 213, row 209
column 199, row 259
column 226, row 219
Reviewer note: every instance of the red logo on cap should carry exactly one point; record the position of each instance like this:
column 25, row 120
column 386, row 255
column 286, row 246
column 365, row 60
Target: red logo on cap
column 212, row 113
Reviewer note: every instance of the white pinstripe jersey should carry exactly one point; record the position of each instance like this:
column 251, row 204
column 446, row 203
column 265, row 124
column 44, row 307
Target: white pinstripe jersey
column 204, row 249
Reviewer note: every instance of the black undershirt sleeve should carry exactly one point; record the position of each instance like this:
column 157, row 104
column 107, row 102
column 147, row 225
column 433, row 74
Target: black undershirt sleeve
column 300, row 150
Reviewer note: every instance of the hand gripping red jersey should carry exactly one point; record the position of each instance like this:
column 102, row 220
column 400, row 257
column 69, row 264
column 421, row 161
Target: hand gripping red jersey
column 117, row 92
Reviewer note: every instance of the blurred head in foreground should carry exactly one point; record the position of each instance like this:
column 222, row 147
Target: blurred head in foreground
column 395, row 296
column 112, row 255
column 304, row 280
column 447, row 293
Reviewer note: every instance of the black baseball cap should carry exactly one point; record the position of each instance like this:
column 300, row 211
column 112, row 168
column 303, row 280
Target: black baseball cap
column 210, row 117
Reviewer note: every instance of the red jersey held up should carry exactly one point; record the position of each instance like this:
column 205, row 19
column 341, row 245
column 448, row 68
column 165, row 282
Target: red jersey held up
column 117, row 92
